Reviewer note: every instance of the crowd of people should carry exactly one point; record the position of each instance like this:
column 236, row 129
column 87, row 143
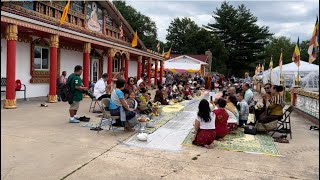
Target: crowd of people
column 231, row 110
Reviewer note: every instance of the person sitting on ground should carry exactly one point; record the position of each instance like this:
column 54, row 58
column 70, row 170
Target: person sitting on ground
column 187, row 92
column 248, row 94
column 145, row 104
column 204, row 125
column 266, row 96
column 243, row 109
column 181, row 88
column 119, row 75
column 132, row 103
column 275, row 109
column 118, row 104
column 131, row 85
column 159, row 97
column 175, row 91
column 233, row 113
column 169, row 91
column 231, row 91
column 100, row 89
column 221, row 120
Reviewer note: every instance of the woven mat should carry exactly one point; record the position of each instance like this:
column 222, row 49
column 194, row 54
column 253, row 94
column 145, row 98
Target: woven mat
column 168, row 112
column 258, row 144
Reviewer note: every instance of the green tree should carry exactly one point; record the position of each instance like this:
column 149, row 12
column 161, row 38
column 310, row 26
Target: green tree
column 242, row 37
column 180, row 32
column 274, row 49
column 146, row 28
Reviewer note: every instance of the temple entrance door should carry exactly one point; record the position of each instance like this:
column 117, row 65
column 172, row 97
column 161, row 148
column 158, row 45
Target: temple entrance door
column 95, row 70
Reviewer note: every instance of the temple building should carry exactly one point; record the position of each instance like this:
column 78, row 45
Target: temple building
column 35, row 48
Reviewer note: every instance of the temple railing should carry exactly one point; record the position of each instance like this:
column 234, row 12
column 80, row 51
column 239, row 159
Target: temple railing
column 307, row 102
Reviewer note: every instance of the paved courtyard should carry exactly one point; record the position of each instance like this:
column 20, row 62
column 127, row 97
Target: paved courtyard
column 39, row 143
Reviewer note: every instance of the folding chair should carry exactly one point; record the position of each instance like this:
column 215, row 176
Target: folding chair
column 93, row 104
column 284, row 124
column 106, row 114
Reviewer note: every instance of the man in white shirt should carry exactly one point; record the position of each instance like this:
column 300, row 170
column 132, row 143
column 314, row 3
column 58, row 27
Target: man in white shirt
column 142, row 79
column 100, row 87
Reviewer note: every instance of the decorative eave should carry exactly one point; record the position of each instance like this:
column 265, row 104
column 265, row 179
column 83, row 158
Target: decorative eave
column 49, row 27
column 122, row 19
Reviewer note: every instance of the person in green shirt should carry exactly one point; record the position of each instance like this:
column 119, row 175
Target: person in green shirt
column 77, row 88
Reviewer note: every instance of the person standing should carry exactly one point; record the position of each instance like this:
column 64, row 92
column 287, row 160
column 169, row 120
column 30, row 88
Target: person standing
column 77, row 89
column 61, row 81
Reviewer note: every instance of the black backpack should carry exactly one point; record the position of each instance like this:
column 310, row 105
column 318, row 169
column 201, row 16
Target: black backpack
column 66, row 92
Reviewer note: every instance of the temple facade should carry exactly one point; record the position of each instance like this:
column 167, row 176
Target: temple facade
column 35, row 48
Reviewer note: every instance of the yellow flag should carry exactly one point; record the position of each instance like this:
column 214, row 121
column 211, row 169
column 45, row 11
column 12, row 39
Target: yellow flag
column 65, row 13
column 135, row 40
column 271, row 64
column 168, row 54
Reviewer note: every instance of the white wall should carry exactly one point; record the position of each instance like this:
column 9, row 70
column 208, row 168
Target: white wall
column 184, row 60
column 105, row 64
column 69, row 59
column 133, row 66
column 22, row 71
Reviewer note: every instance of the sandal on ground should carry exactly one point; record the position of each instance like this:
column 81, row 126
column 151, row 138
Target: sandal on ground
column 281, row 140
column 313, row 128
column 43, row 105
column 96, row 129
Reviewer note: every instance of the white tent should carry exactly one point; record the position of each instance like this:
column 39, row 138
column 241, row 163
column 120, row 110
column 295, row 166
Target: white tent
column 289, row 73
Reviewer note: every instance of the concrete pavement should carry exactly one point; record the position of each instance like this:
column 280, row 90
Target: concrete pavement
column 39, row 143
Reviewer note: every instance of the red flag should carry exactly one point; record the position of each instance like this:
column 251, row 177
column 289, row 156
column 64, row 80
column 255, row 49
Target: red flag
column 313, row 44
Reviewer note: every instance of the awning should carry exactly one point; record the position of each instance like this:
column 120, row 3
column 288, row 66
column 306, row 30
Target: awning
column 181, row 67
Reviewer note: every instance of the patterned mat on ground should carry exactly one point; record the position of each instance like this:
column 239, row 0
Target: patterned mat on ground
column 258, row 144
column 168, row 113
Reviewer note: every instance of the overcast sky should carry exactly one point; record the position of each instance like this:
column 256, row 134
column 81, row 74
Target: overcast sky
column 284, row 18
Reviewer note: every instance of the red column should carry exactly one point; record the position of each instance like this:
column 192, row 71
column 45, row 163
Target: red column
column 149, row 71
column 110, row 56
column 155, row 73
column 126, row 75
column 139, row 67
column 86, row 64
column 161, row 72
column 11, row 36
column 54, row 44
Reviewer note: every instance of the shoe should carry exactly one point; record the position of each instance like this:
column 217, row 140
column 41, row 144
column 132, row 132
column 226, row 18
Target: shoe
column 73, row 120
column 76, row 117
column 84, row 119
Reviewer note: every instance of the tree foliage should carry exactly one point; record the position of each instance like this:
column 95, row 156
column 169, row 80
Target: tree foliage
column 146, row 28
column 243, row 39
column 180, row 33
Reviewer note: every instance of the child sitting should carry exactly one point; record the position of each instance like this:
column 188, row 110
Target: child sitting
column 187, row 92
column 221, row 120
column 204, row 126
column 145, row 104
column 243, row 110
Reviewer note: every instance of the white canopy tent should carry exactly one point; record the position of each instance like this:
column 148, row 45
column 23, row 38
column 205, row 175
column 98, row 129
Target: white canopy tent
column 290, row 72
